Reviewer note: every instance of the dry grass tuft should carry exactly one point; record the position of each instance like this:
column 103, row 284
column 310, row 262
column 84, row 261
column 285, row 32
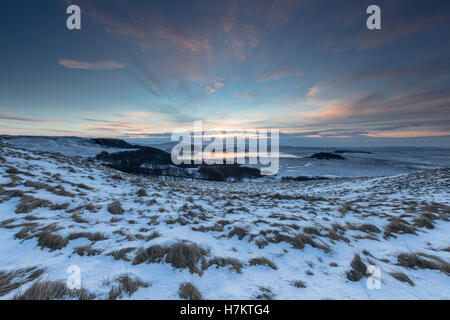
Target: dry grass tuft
column 29, row 203
column 223, row 262
column 51, row 241
column 261, row 261
column 87, row 251
column 98, row 236
column 398, row 226
column 184, row 255
column 153, row 254
column 121, row 254
column 188, row 291
column 423, row 261
column 141, row 193
column 298, row 284
column 266, row 294
column 359, row 269
column 400, row 276
column 115, row 208
column 52, row 290
column 127, row 285
column 425, row 221
column 240, row 232
column 10, row 281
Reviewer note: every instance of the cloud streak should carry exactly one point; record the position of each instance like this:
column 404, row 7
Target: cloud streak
column 98, row 65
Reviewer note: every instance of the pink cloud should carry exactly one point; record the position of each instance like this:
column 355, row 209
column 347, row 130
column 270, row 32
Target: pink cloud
column 314, row 91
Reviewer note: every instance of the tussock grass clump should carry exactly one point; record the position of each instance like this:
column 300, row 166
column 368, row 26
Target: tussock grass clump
column 78, row 219
column 299, row 241
column 334, row 235
column 234, row 264
column 239, row 231
column 24, row 233
column 12, row 170
column 121, row 254
column 423, row 261
column 10, row 281
column 4, row 223
column 98, row 236
column 186, row 255
column 52, row 290
column 126, row 285
column 298, row 284
column 60, row 206
column 425, row 221
column 359, row 269
column 51, row 241
column 367, row 228
column 153, row 254
column 188, row 291
column 29, row 203
column 141, row 193
column 115, row 207
column 400, row 276
column 311, row 230
column 261, row 261
column 87, row 251
column 216, row 227
column 90, row 207
column 266, row 294
column 153, row 235
column 12, row 194
column 398, row 226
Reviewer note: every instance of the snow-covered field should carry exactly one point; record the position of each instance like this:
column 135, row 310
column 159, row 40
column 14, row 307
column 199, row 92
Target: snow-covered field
column 141, row 238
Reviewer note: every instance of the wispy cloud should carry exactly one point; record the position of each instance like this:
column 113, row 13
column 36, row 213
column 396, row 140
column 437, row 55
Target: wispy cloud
column 274, row 75
column 210, row 90
column 314, row 91
column 24, row 119
column 247, row 95
column 98, row 65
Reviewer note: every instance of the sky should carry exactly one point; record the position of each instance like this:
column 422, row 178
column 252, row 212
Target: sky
column 312, row 69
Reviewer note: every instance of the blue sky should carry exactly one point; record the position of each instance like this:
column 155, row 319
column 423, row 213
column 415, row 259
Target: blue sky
column 140, row 69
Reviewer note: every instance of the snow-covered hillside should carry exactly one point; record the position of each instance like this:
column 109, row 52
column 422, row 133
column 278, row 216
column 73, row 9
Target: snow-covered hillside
column 69, row 146
column 140, row 238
